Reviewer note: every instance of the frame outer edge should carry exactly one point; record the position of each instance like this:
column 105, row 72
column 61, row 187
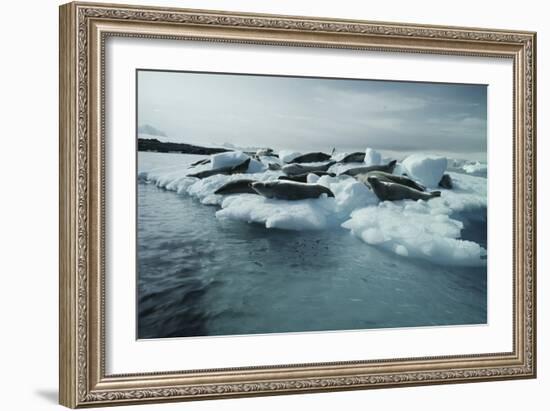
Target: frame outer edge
column 534, row 199
column 68, row 326
column 77, row 385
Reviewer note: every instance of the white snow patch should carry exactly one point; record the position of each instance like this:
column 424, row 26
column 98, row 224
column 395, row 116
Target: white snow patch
column 256, row 166
column 372, row 157
column 399, row 170
column 468, row 193
column 337, row 156
column 349, row 194
column 426, row 168
column 227, row 159
column 477, row 168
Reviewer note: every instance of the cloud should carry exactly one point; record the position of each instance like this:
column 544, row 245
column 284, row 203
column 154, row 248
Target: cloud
column 314, row 114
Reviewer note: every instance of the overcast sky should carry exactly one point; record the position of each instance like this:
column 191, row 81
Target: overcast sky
column 312, row 114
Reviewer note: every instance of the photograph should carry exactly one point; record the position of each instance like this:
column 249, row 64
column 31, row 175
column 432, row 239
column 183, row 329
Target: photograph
column 284, row 204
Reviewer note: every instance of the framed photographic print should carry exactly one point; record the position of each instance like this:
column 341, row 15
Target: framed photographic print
column 259, row 204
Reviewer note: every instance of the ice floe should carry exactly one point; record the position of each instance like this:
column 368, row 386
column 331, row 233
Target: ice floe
column 426, row 168
column 314, row 214
column 417, row 230
column 476, row 169
column 429, row 230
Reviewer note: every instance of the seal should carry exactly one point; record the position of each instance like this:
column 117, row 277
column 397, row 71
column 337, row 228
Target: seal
column 446, row 181
column 239, row 168
column 312, row 158
column 357, row 157
column 395, row 192
column 386, row 168
column 274, row 166
column 295, row 169
column 290, row 190
column 302, row 178
column 263, row 152
column 390, row 178
column 237, row 187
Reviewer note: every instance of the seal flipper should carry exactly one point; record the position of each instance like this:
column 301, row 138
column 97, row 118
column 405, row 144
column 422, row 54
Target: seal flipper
column 329, row 192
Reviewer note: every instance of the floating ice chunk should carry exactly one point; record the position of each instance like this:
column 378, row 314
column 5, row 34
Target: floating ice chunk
column 372, row 157
column 373, row 236
column 255, row 166
column 401, row 250
column 349, row 193
column 227, row 159
column 286, row 156
column 428, row 169
column 415, row 230
column 313, row 214
column 398, row 170
column 477, row 168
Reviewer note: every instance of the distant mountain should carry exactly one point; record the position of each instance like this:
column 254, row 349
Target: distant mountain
column 153, row 144
column 149, row 129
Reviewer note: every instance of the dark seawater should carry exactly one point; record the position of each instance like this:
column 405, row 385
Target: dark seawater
column 199, row 276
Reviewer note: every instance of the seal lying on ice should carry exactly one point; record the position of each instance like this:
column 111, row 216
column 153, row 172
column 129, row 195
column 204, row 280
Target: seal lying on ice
column 239, row 168
column 302, row 178
column 394, row 192
column 386, row 168
column 237, row 187
column 295, row 169
column 390, row 178
column 311, row 158
column 290, row 190
column 357, row 157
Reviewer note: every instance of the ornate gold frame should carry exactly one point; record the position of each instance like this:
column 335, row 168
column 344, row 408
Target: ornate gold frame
column 83, row 30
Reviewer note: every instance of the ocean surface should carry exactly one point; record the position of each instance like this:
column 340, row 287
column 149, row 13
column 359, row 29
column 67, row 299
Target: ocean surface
column 199, row 275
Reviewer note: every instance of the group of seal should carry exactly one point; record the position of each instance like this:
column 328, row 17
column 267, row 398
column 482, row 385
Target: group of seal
column 293, row 185
column 281, row 189
column 390, row 187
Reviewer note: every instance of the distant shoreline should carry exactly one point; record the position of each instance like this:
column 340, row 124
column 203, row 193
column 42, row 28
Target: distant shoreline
column 157, row 146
